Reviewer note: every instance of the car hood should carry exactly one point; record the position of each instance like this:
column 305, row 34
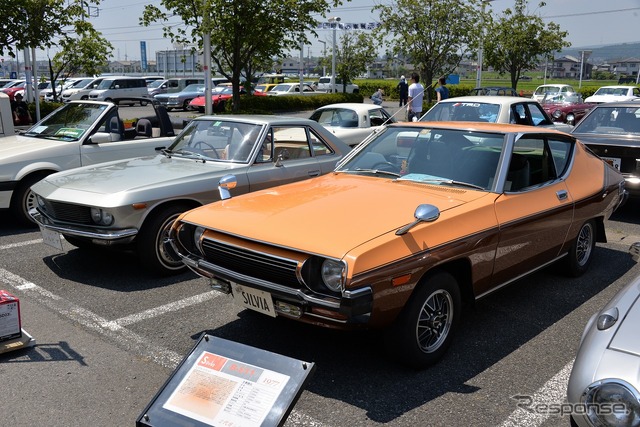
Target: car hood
column 128, row 175
column 16, row 148
column 608, row 98
column 330, row 214
column 626, row 337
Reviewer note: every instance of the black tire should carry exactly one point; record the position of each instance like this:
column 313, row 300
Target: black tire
column 185, row 105
column 424, row 329
column 581, row 252
column 143, row 103
column 155, row 255
column 23, row 199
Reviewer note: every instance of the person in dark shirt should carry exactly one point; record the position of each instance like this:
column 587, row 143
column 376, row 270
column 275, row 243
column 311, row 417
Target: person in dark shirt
column 20, row 111
column 403, row 90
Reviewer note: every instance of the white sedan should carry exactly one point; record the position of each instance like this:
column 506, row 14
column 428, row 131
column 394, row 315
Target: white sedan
column 493, row 109
column 614, row 94
column 80, row 133
column 293, row 89
column 352, row 122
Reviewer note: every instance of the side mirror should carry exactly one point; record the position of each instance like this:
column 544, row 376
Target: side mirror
column 423, row 213
column 101, row 137
column 226, row 183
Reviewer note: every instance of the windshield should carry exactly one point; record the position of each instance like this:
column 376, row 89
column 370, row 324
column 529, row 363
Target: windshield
column 340, row 117
column 616, row 91
column 610, row 120
column 429, row 155
column 194, row 88
column 547, row 90
column 217, row 140
column 463, row 112
column 156, row 83
column 67, row 123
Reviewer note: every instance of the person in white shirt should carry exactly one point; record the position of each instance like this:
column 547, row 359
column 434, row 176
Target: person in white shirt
column 416, row 95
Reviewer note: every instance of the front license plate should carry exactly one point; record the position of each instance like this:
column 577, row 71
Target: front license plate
column 613, row 161
column 253, row 299
column 51, row 238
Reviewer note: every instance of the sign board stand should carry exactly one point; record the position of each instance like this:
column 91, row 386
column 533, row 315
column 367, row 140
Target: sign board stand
column 224, row 383
column 24, row 341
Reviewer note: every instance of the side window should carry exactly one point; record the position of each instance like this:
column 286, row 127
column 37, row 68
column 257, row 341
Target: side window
column 518, row 115
column 266, row 152
column 377, row 117
column 537, row 115
column 533, row 162
column 561, row 151
column 290, row 143
column 318, row 146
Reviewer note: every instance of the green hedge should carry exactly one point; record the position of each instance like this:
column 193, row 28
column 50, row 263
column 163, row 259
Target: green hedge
column 283, row 104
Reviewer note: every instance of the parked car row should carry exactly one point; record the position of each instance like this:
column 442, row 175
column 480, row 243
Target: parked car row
column 444, row 211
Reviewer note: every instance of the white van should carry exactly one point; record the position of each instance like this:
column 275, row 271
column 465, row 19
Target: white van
column 81, row 91
column 120, row 87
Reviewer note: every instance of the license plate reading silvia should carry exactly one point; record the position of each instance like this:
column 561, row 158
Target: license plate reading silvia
column 253, row 299
column 51, row 238
column 613, row 161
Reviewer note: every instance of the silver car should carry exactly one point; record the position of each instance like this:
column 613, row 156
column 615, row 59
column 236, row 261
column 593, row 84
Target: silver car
column 604, row 386
column 135, row 201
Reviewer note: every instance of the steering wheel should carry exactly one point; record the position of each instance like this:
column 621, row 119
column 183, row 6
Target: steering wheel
column 199, row 146
column 386, row 166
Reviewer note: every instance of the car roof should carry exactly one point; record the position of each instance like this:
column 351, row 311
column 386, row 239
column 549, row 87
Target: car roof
column 359, row 107
column 488, row 99
column 481, row 126
column 258, row 118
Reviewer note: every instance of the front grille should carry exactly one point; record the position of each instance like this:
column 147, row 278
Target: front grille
column 254, row 264
column 68, row 213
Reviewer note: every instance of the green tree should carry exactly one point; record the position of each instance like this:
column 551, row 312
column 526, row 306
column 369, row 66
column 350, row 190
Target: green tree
column 434, row 35
column 37, row 23
column 354, row 52
column 518, row 41
column 240, row 30
column 82, row 51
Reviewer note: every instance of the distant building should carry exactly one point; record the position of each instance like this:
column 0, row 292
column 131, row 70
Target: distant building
column 627, row 67
column 569, row 67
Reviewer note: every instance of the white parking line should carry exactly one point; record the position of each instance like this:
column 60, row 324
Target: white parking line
column 125, row 338
column 157, row 311
column 19, row 244
column 553, row 391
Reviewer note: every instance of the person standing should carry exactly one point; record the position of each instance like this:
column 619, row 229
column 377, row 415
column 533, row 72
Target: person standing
column 20, row 111
column 442, row 92
column 415, row 97
column 403, row 90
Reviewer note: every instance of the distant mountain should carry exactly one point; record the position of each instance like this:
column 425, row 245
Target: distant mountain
column 608, row 53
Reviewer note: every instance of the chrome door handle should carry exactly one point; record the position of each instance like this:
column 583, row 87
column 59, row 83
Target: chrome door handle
column 562, row 195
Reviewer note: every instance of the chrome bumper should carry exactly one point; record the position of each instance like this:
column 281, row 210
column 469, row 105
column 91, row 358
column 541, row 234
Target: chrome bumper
column 109, row 236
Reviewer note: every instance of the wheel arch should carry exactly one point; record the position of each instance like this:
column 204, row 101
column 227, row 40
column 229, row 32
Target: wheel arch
column 190, row 203
column 460, row 269
column 28, row 174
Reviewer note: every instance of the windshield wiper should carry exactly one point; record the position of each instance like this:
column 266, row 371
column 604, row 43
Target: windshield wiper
column 453, row 182
column 192, row 155
column 375, row 172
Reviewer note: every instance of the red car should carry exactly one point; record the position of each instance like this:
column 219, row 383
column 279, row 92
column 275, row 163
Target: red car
column 219, row 95
column 568, row 110
column 11, row 91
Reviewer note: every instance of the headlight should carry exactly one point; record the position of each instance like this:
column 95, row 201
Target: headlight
column 197, row 239
column 40, row 201
column 333, row 274
column 612, row 402
column 101, row 217
column 557, row 114
column 571, row 118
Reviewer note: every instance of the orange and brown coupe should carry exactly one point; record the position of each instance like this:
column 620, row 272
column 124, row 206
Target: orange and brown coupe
column 415, row 223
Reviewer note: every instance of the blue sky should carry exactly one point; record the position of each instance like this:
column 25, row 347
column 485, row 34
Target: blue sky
column 589, row 23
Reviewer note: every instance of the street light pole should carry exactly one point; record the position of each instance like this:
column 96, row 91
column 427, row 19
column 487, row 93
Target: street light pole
column 582, row 55
column 481, row 48
column 334, row 20
column 324, row 55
